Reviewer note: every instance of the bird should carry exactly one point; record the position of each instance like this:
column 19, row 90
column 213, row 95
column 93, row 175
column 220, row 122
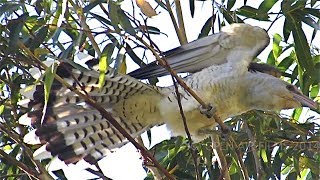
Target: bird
column 214, row 49
column 72, row 130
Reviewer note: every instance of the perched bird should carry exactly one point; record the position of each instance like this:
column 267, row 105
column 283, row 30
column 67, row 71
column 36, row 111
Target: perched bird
column 73, row 130
column 215, row 49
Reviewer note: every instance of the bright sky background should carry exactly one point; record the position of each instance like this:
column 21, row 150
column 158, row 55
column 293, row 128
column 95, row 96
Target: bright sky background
column 126, row 162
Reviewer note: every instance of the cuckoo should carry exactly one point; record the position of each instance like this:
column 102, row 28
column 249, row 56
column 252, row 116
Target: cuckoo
column 72, row 130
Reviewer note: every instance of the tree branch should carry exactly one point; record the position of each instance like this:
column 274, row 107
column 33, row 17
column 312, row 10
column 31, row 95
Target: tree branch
column 174, row 22
column 222, row 159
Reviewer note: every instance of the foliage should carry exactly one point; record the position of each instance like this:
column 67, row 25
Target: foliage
column 261, row 145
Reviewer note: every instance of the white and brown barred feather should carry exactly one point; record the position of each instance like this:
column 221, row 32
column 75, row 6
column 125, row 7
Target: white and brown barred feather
column 71, row 129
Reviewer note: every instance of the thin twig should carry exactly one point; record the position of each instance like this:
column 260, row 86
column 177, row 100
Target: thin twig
column 15, row 137
column 85, row 27
column 243, row 168
column 181, row 23
column 192, row 148
column 20, row 165
column 175, row 25
column 103, row 112
column 154, row 171
column 257, row 161
column 222, row 159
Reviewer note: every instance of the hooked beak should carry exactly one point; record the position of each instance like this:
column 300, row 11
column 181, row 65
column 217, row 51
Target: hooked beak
column 305, row 100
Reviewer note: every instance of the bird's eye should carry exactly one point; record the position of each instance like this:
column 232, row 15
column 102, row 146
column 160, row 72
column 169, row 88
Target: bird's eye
column 290, row 87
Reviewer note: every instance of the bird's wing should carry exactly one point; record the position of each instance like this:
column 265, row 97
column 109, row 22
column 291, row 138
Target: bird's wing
column 235, row 43
column 73, row 130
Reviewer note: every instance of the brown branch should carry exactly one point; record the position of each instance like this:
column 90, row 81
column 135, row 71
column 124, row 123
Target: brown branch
column 222, row 159
column 182, row 29
column 85, row 27
column 103, row 112
column 174, row 22
column 20, row 165
column 192, row 148
column 16, row 138
column 243, row 168
column 252, row 145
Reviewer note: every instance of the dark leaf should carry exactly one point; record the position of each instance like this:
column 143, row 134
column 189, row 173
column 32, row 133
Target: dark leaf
column 191, row 3
column 286, row 30
column 206, row 27
column 311, row 22
column 230, row 4
column 253, row 13
column 265, row 6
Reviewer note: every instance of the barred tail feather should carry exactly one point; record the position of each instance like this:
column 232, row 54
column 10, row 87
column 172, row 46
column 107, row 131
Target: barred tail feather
column 72, row 130
column 86, row 135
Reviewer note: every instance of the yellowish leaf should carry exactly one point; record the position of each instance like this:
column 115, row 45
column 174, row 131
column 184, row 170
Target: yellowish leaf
column 146, row 8
column 123, row 67
column 40, row 51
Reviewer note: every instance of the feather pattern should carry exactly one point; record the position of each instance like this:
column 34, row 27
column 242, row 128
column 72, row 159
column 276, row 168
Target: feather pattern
column 215, row 49
column 73, row 130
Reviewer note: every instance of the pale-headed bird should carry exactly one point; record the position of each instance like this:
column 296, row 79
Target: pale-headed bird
column 73, row 130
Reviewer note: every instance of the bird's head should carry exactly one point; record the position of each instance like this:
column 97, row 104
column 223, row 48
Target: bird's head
column 248, row 37
column 273, row 94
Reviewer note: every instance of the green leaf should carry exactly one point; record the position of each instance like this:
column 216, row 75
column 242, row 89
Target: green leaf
column 191, row 2
column 15, row 27
column 92, row 5
column 230, row 4
column 9, row 7
column 271, row 60
column 113, row 15
column 285, row 63
column 265, row 6
column 1, row 109
column 286, row 30
column 253, row 13
column 48, row 80
column 134, row 56
column 311, row 22
column 206, row 27
column 117, row 16
column 125, row 23
column 312, row 11
column 301, row 44
column 230, row 17
column 276, row 48
column 314, row 91
column 101, row 19
column 263, row 155
column 104, row 61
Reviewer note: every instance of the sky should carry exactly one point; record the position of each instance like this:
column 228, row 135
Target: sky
column 126, row 162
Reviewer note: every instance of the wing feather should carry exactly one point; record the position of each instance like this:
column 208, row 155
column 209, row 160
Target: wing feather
column 237, row 44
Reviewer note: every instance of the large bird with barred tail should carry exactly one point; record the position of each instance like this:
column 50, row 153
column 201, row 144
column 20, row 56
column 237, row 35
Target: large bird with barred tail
column 73, row 130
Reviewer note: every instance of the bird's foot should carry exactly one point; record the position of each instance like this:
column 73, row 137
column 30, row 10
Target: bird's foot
column 224, row 133
column 208, row 111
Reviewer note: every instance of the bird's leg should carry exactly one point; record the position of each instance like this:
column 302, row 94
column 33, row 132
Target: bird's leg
column 224, row 128
column 208, row 111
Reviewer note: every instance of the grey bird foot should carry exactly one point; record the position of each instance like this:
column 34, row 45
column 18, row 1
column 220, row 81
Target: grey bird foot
column 225, row 132
column 208, row 111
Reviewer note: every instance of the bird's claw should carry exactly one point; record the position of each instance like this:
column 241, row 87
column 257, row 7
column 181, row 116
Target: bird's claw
column 225, row 132
column 208, row 111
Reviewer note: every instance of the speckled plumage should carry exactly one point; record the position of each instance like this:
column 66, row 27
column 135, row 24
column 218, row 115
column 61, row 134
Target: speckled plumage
column 72, row 130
